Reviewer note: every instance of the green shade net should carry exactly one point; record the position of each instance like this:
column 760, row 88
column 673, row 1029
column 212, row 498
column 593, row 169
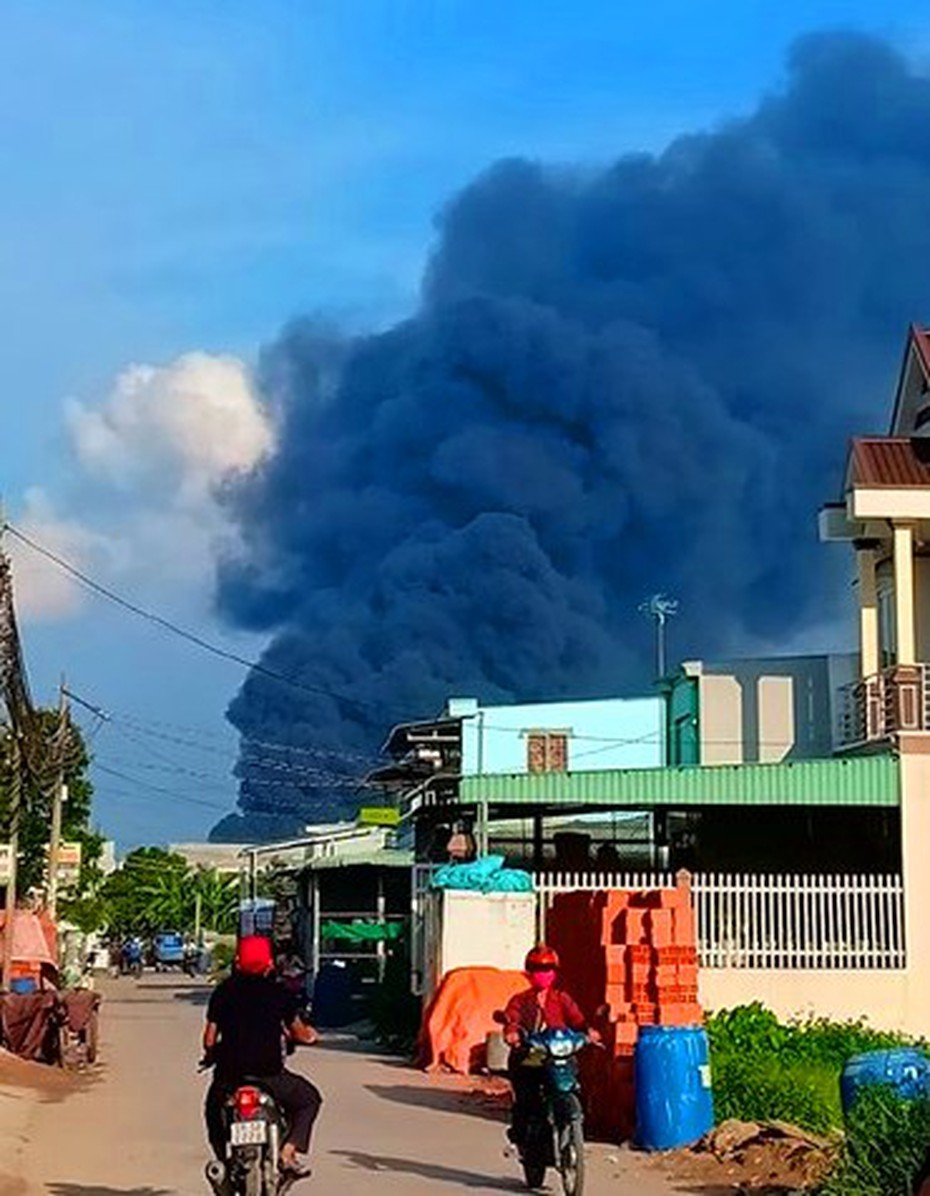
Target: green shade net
column 361, row 932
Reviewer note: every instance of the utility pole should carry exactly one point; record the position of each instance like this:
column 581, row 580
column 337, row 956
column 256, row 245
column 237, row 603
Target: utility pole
column 16, row 781
column 59, row 753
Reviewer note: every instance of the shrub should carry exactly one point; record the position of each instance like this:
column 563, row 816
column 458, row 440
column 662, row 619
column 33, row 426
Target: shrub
column 765, row 1069
column 755, row 1031
column 886, row 1141
column 223, row 953
column 804, row 1094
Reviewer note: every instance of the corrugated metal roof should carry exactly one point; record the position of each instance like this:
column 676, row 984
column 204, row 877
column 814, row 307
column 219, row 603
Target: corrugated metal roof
column 389, row 858
column 891, row 461
column 850, row 781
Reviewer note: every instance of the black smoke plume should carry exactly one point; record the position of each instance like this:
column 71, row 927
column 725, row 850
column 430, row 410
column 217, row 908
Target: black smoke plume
column 618, row 382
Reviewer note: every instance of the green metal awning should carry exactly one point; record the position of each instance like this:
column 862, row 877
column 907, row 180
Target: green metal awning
column 850, row 781
column 388, row 858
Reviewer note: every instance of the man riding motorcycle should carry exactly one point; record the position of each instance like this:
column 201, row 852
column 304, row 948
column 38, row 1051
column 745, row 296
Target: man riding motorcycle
column 249, row 1018
column 543, row 1006
column 131, row 955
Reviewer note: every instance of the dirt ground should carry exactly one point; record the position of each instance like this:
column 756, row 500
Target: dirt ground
column 132, row 1127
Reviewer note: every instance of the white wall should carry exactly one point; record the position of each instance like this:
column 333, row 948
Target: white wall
column 888, row 1000
column 476, row 930
column 602, row 733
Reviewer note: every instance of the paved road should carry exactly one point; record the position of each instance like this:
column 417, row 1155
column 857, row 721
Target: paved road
column 135, row 1129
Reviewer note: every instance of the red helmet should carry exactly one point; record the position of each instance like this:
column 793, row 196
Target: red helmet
column 253, row 955
column 542, row 959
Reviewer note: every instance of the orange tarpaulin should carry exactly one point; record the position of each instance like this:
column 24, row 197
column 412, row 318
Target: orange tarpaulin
column 30, row 938
column 460, row 1016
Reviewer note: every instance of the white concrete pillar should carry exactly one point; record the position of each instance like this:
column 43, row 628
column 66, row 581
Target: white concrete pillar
column 868, row 610
column 915, row 833
column 905, row 625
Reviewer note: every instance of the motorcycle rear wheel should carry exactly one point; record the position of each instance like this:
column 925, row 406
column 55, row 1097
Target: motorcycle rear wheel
column 571, row 1158
column 253, row 1179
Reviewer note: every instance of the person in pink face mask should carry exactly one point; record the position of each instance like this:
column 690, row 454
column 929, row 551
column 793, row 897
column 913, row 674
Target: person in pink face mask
column 543, row 1006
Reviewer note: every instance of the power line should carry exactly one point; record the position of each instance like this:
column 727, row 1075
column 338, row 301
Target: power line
column 253, row 749
column 182, row 797
column 183, row 633
column 227, row 654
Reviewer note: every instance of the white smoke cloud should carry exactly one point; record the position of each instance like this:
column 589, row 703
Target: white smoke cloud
column 43, row 592
column 178, row 429
column 145, row 464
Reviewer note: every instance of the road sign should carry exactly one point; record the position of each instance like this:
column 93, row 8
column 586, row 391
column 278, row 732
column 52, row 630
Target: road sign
column 69, row 863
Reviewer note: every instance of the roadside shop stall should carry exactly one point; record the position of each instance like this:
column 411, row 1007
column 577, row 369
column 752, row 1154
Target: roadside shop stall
column 39, row 1020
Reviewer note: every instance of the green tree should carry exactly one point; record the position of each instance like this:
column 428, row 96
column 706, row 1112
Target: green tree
column 36, row 798
column 157, row 890
column 219, row 899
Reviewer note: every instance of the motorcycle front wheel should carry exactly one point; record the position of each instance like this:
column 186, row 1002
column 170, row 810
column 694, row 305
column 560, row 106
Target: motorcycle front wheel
column 534, row 1173
column 571, row 1156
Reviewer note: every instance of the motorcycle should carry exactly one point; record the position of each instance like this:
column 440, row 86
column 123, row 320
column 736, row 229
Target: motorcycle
column 555, row 1135
column 130, row 963
column 254, row 1131
column 255, row 1127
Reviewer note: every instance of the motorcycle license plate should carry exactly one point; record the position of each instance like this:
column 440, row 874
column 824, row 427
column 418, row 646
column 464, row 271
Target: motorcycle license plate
column 248, row 1133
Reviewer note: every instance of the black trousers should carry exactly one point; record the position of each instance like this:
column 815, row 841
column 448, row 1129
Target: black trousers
column 528, row 1085
column 298, row 1098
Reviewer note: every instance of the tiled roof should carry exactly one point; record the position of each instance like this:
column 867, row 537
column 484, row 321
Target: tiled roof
column 890, row 461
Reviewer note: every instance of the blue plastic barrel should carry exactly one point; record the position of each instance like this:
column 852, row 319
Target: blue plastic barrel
column 906, row 1070
column 332, row 997
column 674, row 1101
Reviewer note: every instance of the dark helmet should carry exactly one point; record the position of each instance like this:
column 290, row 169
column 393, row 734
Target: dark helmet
column 542, row 959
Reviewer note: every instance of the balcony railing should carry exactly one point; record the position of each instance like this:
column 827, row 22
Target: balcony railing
column 886, row 704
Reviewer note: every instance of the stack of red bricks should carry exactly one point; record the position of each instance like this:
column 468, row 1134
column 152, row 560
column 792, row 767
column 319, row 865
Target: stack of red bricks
column 652, row 963
column 636, row 953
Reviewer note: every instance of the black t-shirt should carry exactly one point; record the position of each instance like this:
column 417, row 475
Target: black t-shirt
column 251, row 1013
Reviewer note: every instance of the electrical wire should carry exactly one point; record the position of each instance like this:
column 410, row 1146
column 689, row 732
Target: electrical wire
column 183, row 633
column 251, row 751
column 182, row 797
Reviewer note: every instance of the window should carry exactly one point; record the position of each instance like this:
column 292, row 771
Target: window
column 547, row 751
column 887, row 630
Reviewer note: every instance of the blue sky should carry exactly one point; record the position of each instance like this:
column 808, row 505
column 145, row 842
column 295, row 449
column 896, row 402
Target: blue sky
column 184, row 177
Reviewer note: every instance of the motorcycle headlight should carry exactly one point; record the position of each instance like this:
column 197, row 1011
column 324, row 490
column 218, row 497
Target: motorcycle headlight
column 561, row 1048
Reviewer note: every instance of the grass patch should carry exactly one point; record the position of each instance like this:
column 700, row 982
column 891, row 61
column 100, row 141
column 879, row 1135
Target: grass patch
column 804, row 1094
column 886, row 1142
column 767, row 1070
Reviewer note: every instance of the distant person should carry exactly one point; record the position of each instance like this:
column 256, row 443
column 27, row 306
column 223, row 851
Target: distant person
column 249, row 1017
column 131, row 956
column 607, row 858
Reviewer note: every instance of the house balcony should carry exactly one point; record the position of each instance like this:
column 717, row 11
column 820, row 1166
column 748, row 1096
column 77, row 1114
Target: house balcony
column 875, row 709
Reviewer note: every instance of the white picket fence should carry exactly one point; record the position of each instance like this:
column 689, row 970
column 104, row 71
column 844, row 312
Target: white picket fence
column 784, row 922
column 772, row 922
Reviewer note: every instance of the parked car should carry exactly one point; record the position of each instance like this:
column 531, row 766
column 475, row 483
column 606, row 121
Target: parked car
column 168, row 950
